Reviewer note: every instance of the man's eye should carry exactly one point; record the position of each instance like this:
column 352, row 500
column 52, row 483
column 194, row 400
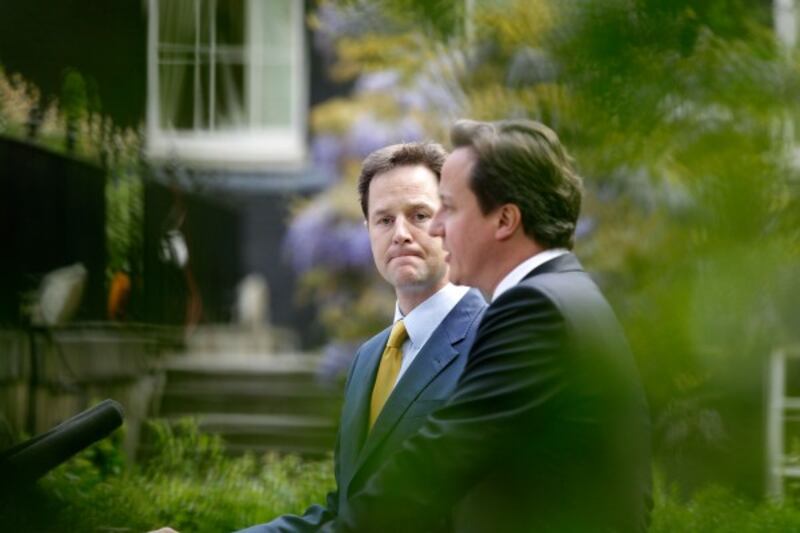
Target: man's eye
column 385, row 221
column 421, row 217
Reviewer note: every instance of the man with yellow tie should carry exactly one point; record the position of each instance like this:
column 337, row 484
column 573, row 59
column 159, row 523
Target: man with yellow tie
column 405, row 372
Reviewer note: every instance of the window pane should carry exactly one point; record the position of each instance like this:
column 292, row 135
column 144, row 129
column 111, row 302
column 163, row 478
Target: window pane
column 229, row 98
column 204, row 19
column 276, row 109
column 176, row 22
column 272, row 52
column 228, row 64
column 230, row 22
column 176, row 93
column 277, row 25
column 183, row 46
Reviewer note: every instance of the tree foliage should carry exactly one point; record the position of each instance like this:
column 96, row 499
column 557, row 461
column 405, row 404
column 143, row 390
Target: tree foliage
column 680, row 116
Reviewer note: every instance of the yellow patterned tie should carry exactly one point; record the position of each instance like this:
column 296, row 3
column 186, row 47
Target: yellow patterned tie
column 387, row 371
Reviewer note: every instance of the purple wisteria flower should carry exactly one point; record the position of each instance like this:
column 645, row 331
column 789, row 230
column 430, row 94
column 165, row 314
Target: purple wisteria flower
column 409, row 130
column 356, row 248
column 336, row 359
column 377, row 82
column 411, row 98
column 300, row 242
column 351, row 20
column 429, row 91
column 326, row 153
column 368, row 134
column 317, row 238
column 437, row 97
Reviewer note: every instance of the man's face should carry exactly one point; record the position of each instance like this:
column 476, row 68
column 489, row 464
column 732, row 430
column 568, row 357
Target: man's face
column 467, row 234
column 402, row 203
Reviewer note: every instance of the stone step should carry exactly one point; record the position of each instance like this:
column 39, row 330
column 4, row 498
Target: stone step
column 285, row 385
column 307, row 435
column 234, row 339
column 224, row 377
column 255, row 403
column 243, row 363
column 249, row 398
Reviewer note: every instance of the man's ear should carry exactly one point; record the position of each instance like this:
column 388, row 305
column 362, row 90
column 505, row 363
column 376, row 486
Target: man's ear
column 509, row 220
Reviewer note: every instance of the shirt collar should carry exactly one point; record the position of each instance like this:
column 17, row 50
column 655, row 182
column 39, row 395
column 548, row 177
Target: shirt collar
column 426, row 317
column 522, row 269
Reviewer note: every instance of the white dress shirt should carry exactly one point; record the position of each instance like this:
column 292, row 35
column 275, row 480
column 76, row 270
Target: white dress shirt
column 424, row 319
column 522, row 269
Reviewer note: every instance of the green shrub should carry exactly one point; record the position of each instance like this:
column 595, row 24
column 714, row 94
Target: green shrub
column 718, row 510
column 187, row 483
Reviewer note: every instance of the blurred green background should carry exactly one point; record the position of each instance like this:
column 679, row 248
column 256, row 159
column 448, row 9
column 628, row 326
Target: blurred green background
column 680, row 116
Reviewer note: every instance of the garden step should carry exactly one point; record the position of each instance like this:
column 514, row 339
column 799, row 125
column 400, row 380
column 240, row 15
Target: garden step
column 264, row 433
column 255, row 403
column 224, row 377
column 243, row 363
column 249, row 386
column 268, row 399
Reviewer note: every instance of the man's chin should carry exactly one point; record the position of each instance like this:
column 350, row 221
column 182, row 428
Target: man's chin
column 408, row 282
column 415, row 283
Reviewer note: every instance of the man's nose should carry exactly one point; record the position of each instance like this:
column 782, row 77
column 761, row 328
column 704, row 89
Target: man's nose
column 401, row 231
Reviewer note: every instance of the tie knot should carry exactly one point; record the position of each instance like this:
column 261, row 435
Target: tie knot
column 398, row 335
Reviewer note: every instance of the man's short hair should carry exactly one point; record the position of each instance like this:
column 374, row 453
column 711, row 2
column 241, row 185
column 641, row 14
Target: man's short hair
column 427, row 154
column 522, row 162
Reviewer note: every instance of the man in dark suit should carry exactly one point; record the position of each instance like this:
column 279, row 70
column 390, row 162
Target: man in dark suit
column 390, row 392
column 548, row 428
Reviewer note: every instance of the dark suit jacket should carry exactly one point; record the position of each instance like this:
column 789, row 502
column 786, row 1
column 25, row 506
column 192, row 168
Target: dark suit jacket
column 425, row 386
column 548, row 429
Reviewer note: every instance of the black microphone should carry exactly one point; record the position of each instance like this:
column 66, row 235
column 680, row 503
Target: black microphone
column 28, row 461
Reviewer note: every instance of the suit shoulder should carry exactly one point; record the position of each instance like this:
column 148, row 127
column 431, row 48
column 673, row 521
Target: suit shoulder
column 530, row 290
column 573, row 295
column 562, row 289
column 472, row 302
column 569, row 296
column 462, row 320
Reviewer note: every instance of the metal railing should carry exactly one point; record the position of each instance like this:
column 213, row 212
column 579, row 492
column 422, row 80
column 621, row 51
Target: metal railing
column 781, row 409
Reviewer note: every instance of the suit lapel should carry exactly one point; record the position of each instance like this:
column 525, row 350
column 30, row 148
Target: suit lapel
column 432, row 359
column 355, row 416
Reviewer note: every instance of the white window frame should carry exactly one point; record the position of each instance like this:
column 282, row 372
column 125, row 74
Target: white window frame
column 251, row 147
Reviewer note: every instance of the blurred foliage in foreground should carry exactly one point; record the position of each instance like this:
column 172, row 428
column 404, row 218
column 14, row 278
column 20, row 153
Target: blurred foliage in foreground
column 187, row 482
column 680, row 115
column 191, row 485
